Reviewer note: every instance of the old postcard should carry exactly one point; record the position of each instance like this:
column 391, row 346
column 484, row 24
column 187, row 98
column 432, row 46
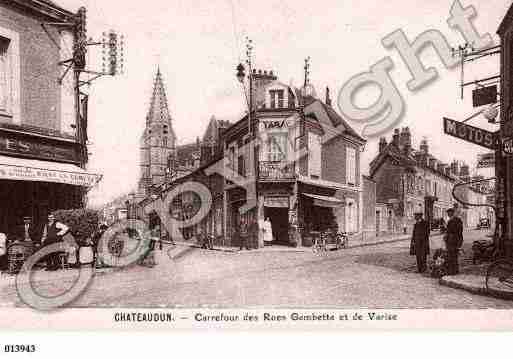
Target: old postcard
column 256, row 164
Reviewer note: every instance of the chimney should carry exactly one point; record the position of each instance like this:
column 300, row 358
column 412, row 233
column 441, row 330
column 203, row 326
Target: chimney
column 424, row 147
column 328, row 99
column 260, row 80
column 406, row 140
column 382, row 144
column 395, row 138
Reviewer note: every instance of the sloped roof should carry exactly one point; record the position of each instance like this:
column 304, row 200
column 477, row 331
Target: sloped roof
column 401, row 159
column 506, row 21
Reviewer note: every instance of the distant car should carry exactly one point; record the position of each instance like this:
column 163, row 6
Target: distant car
column 484, row 223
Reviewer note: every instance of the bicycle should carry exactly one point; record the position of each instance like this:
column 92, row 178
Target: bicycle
column 319, row 243
column 499, row 276
column 341, row 240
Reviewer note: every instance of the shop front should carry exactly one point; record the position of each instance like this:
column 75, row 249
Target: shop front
column 34, row 188
column 276, row 214
column 326, row 207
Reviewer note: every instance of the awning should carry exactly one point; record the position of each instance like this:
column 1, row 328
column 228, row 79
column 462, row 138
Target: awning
column 21, row 169
column 327, row 184
column 324, row 201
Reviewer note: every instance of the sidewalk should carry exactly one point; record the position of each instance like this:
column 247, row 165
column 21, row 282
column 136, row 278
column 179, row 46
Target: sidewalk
column 353, row 242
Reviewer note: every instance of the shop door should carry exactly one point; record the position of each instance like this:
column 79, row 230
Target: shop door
column 279, row 222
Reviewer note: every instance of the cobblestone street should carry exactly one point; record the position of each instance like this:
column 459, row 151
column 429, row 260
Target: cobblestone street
column 381, row 276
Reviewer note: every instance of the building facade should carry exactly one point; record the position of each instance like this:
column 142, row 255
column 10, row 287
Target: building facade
column 43, row 121
column 301, row 159
column 411, row 181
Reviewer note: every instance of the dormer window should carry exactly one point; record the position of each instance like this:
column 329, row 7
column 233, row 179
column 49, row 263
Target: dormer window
column 277, row 98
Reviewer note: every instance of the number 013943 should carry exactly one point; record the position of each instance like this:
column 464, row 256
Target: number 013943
column 12, row 348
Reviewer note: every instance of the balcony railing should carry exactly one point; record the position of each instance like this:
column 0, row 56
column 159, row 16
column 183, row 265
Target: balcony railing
column 280, row 170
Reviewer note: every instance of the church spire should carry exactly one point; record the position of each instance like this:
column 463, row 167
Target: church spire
column 159, row 110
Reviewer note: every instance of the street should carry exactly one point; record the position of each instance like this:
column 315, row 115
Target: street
column 381, row 276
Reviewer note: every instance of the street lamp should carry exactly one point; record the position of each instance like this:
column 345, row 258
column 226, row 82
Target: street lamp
column 241, row 73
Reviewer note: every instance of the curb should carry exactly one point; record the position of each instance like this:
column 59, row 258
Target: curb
column 407, row 238
column 476, row 290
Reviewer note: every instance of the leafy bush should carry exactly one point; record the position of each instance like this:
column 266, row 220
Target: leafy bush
column 82, row 222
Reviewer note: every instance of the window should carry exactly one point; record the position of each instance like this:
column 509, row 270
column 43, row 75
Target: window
column 277, row 98
column 351, row 165
column 4, row 75
column 277, row 147
column 241, row 168
column 231, row 158
column 164, row 142
column 314, row 155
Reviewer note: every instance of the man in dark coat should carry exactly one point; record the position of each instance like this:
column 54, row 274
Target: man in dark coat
column 52, row 233
column 420, row 242
column 28, row 232
column 453, row 241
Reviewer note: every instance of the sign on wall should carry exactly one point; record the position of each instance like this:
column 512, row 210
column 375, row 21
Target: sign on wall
column 13, row 144
column 22, row 173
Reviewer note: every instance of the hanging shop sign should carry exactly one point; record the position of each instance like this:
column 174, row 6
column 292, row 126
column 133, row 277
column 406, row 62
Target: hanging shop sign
column 507, row 146
column 486, row 160
column 484, row 96
column 12, row 144
column 469, row 133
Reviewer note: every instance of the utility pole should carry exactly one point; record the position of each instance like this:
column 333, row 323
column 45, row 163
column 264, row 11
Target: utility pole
column 113, row 58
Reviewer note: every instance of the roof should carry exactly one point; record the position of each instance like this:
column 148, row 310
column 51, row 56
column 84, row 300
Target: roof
column 408, row 161
column 45, row 7
column 506, row 22
column 338, row 120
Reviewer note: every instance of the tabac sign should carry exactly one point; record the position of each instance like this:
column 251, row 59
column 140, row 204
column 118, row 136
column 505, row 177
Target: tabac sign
column 469, row 133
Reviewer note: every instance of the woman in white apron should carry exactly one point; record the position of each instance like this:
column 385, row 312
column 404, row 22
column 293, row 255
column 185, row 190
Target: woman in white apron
column 267, row 231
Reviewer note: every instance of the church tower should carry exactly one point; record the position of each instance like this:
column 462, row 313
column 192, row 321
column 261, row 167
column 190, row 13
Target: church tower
column 157, row 143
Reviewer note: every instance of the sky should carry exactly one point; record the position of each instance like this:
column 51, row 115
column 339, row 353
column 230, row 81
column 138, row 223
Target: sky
column 198, row 44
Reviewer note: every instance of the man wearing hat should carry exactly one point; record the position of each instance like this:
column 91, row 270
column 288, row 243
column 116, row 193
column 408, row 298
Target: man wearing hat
column 52, row 233
column 420, row 242
column 453, row 241
column 27, row 231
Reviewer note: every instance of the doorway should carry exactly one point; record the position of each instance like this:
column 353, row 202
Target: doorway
column 279, row 218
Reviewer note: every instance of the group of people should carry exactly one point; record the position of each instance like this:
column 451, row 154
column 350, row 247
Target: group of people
column 52, row 232
column 453, row 239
